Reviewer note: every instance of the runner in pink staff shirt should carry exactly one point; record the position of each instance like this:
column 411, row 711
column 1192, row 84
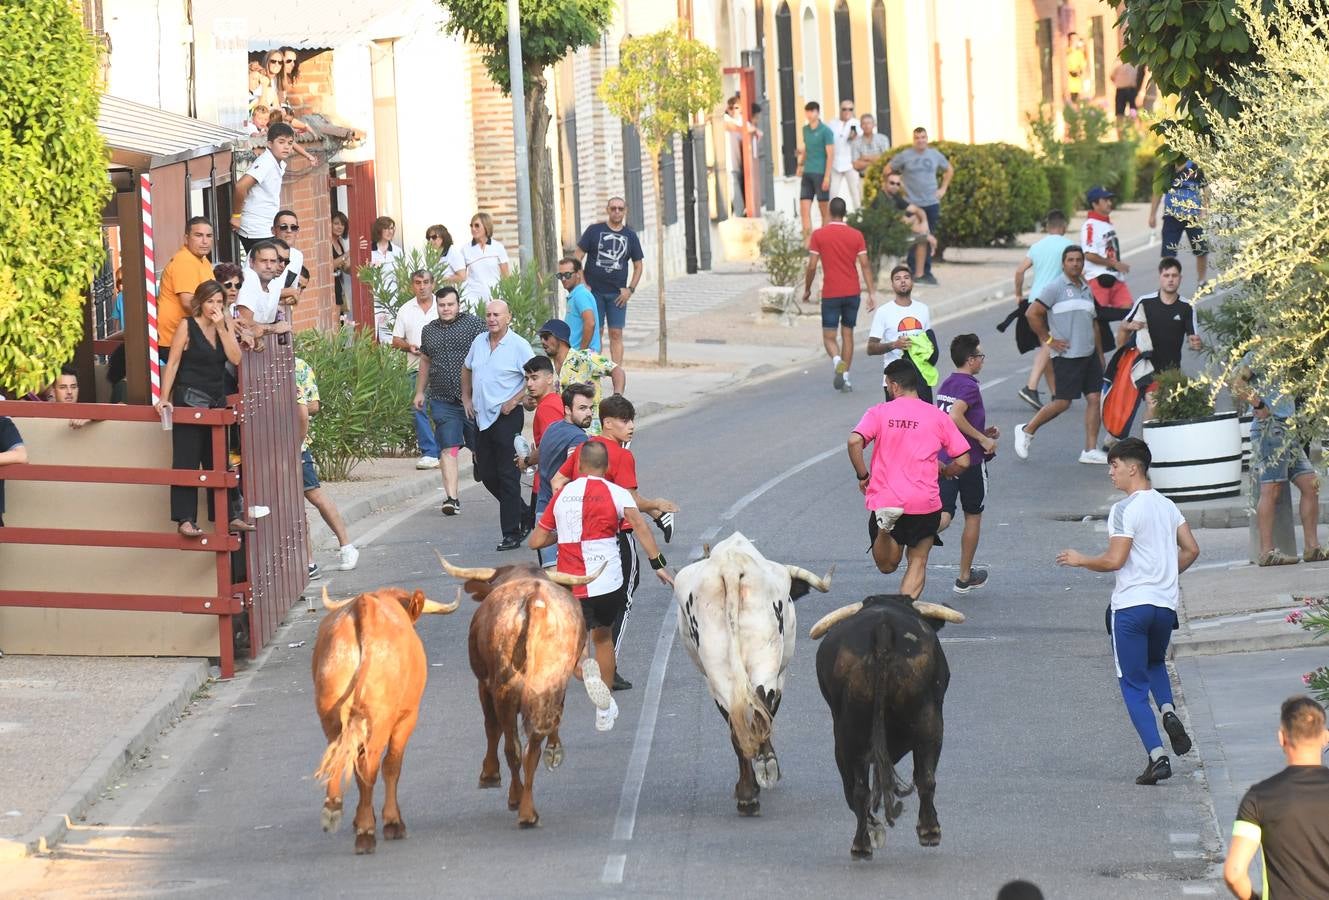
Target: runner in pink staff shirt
column 903, row 496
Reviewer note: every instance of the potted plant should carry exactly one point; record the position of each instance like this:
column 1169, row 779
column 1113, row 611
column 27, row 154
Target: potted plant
column 784, row 256
column 1196, row 452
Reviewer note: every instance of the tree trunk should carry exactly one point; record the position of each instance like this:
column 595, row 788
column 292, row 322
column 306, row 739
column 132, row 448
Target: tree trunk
column 663, row 358
column 540, row 172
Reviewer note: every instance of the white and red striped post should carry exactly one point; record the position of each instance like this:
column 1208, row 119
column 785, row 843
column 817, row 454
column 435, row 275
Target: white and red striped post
column 150, row 287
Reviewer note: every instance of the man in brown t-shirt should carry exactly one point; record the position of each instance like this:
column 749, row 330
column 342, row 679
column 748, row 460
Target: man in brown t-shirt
column 190, row 267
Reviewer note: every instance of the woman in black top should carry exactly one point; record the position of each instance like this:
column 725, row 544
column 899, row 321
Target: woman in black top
column 196, row 376
column 341, row 262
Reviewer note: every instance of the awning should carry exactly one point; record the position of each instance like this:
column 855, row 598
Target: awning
column 144, row 137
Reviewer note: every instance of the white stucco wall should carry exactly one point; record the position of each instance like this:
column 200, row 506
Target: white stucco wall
column 149, row 52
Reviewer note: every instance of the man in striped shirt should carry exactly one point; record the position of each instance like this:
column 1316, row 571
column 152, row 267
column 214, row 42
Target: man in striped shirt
column 584, row 518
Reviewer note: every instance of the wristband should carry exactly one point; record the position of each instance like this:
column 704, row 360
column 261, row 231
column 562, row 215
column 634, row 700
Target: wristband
column 1049, row 340
column 658, row 562
column 1260, row 405
column 632, row 289
column 864, row 477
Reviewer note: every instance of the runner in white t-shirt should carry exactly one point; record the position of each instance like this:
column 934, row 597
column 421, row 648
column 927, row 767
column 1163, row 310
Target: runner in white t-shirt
column 894, row 323
column 1149, row 546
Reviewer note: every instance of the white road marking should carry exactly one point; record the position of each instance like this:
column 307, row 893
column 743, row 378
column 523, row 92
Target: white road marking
column 996, row 381
column 625, row 822
column 1183, row 837
column 613, row 870
column 1229, row 564
column 1197, row 890
column 1187, row 854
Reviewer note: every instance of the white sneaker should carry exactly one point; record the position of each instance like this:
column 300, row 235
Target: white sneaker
column 848, row 385
column 1093, row 457
column 427, row 462
column 604, row 718
column 888, row 516
column 596, row 688
column 349, row 557
column 1022, row 441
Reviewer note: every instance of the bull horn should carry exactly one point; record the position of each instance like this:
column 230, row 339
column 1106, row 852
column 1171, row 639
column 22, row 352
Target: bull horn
column 821, row 584
column 479, row 574
column 433, row 607
column 333, row 605
column 825, row 622
column 705, row 551
column 938, row 611
column 567, row 580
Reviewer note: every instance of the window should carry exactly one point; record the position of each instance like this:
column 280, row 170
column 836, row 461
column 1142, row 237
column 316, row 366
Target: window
column 784, row 67
column 1099, row 59
column 668, row 184
column 632, row 178
column 844, row 52
column 812, row 62
column 1043, row 40
column 880, row 78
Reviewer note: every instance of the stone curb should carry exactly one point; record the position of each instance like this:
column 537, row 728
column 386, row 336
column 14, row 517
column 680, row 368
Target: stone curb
column 113, row 759
column 1245, row 637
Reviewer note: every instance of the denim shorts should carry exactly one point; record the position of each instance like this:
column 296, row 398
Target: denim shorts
column 1173, row 231
column 310, row 473
column 837, row 311
column 1276, row 457
column 606, row 305
column 449, row 423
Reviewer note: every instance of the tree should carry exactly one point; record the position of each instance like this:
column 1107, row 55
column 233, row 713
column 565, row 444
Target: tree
column 53, row 186
column 661, row 81
column 550, row 29
column 1267, row 219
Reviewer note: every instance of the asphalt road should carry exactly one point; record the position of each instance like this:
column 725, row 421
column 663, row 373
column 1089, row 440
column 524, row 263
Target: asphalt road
column 1036, row 775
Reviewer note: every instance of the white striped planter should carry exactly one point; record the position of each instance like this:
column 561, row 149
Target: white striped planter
column 1245, row 425
column 1196, row 459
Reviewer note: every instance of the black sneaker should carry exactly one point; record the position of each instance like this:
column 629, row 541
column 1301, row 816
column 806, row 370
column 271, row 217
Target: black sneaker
column 926, row 279
column 1176, row 732
column 977, row 578
column 665, row 523
column 315, row 573
column 511, row 542
column 621, row 683
column 451, row 506
column 1031, row 396
column 1155, row 770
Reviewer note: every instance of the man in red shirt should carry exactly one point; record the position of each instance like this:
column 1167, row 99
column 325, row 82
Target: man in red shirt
column 543, row 397
column 617, row 424
column 839, row 248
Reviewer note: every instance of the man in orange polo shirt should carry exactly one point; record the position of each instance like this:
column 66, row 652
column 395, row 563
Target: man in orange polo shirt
column 190, row 267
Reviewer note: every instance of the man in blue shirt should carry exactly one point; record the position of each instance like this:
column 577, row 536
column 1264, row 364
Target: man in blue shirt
column 919, row 166
column 1183, row 204
column 582, row 315
column 605, row 250
column 1044, row 257
column 493, row 385
column 559, row 440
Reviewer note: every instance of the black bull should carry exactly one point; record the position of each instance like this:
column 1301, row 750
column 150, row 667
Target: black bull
column 884, row 676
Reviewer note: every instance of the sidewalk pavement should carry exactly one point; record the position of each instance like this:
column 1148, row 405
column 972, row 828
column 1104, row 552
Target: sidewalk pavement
column 719, row 340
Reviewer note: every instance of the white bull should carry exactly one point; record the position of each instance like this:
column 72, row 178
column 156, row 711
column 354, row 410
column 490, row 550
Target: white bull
column 736, row 618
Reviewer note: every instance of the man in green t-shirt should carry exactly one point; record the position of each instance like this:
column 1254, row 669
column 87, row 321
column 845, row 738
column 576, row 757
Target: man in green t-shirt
column 814, row 165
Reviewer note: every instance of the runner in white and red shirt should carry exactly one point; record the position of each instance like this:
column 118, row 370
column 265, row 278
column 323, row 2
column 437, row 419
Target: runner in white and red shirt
column 584, row 518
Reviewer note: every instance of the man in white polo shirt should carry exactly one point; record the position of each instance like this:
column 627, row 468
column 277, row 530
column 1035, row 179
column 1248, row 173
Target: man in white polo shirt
column 257, row 196
column 412, row 318
column 260, row 292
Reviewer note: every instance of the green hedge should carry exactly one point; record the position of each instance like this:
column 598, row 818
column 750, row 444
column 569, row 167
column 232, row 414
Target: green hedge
column 1062, row 187
column 1111, row 164
column 1029, row 193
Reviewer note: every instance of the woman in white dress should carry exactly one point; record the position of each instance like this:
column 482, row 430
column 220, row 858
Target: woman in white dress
column 486, row 261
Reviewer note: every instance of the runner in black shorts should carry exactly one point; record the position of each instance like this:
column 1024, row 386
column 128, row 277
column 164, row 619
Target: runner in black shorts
column 1077, row 377
column 600, row 612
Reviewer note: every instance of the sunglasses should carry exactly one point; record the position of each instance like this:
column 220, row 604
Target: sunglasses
column 274, row 61
column 618, row 209
column 288, row 227
column 476, row 225
column 564, row 276
column 892, row 184
column 284, row 260
column 230, row 285
column 290, row 60
column 433, row 237
column 846, row 109
column 978, row 356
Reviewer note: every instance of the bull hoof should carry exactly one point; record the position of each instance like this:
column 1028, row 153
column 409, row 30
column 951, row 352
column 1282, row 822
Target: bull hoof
column 394, row 831
column 857, row 852
column 330, row 818
column 490, row 781
column 553, row 756
column 767, row 770
column 514, row 805
column 533, row 822
column 749, row 807
column 929, row 836
column 364, row 844
column 877, row 834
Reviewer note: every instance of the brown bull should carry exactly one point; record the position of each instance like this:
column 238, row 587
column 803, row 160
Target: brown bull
column 369, row 674
column 525, row 641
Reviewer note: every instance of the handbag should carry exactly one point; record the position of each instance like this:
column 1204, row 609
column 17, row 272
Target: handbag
column 192, row 396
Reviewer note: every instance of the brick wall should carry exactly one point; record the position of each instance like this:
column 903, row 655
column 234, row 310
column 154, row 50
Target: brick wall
column 306, row 191
column 312, row 92
column 495, row 159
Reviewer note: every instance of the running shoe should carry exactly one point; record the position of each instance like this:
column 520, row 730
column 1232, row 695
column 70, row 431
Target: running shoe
column 665, row 522
column 596, row 688
column 451, row 506
column 1031, row 396
column 315, row 573
column 1022, row 441
column 1176, row 732
column 977, row 578
column 929, row 278
column 840, row 368
column 427, row 462
column 349, row 557
column 1155, row 770
column 621, row 683
column 848, row 385
column 604, row 718
column 887, row 517
column 1093, row 457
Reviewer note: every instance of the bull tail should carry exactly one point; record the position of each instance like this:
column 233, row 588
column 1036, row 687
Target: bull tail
column 347, row 754
column 748, row 716
column 541, row 704
column 887, row 785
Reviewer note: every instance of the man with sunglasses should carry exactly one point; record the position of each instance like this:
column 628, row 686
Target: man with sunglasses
column 188, row 268
column 285, row 226
column 845, row 182
column 605, row 250
column 582, row 319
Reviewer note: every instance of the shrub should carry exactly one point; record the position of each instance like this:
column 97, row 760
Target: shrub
column 390, row 281
column 364, row 398
column 977, row 206
column 527, row 294
column 1181, row 397
column 884, row 232
column 783, row 252
column 1062, row 188
column 53, row 186
column 1085, row 123
column 1029, row 194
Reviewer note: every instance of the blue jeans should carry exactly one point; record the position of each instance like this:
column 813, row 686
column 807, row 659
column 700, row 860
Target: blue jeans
column 548, row 556
column 933, row 213
column 424, row 427
column 1140, row 635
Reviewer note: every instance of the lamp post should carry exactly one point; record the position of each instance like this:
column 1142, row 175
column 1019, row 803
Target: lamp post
column 517, row 79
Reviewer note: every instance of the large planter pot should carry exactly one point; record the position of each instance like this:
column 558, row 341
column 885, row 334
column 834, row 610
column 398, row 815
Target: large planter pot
column 1196, row 459
column 1246, row 441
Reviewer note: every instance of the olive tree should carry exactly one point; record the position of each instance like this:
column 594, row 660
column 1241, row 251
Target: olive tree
column 53, row 186
column 662, row 80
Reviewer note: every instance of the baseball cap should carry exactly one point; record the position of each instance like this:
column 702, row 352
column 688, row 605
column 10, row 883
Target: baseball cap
column 559, row 329
column 1097, row 193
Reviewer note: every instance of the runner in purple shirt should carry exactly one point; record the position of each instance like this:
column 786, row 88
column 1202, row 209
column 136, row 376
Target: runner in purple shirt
column 960, row 397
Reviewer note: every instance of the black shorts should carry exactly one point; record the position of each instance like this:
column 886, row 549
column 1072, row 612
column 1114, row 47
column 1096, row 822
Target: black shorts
column 1173, row 231
column 909, row 529
column 600, row 612
column 810, row 187
column 1077, row 377
column 970, row 487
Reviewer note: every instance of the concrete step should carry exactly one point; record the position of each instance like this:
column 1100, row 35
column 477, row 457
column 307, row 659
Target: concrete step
column 1257, row 629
